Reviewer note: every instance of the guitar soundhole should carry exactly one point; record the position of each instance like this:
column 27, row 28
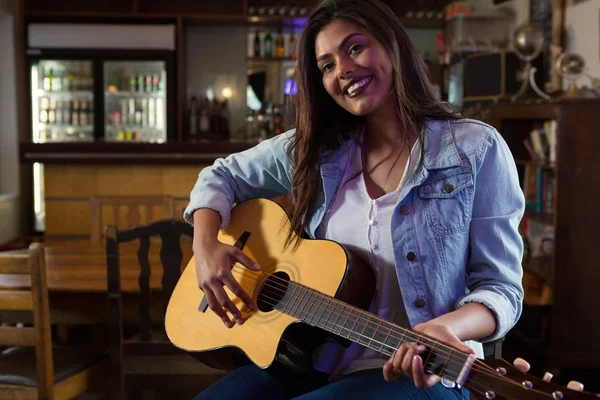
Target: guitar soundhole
column 273, row 291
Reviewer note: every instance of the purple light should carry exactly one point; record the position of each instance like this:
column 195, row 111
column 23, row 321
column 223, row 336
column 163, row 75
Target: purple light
column 290, row 87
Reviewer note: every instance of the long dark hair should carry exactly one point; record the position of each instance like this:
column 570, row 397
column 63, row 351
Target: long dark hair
column 321, row 124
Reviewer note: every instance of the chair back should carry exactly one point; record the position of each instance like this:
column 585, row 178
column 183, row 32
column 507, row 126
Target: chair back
column 128, row 211
column 170, row 233
column 33, row 299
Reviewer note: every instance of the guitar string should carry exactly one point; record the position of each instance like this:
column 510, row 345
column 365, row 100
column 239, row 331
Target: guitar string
column 454, row 354
column 390, row 328
column 484, row 371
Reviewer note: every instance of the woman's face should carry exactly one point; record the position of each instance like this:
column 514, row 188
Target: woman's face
column 356, row 69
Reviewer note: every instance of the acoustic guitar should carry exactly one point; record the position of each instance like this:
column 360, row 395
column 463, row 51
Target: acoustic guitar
column 313, row 288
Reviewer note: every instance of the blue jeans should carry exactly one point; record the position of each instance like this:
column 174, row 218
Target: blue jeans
column 252, row 383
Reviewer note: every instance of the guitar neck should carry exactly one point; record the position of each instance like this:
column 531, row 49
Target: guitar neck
column 332, row 315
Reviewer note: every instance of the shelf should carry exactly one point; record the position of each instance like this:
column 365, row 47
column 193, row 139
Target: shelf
column 135, row 94
column 544, row 218
column 66, row 95
column 63, row 127
column 541, row 164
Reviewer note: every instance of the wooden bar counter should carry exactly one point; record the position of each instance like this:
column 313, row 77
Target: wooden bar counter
column 75, row 172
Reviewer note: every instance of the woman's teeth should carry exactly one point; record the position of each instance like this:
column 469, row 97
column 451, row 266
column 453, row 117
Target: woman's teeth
column 352, row 89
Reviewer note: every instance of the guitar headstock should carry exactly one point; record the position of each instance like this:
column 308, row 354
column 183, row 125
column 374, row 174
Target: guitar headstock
column 500, row 380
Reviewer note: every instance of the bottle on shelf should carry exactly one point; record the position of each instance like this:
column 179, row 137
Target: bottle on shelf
column 268, row 45
column 225, row 118
column 256, row 44
column 279, row 45
column 48, row 76
column 155, row 80
column 193, row 118
column 133, row 84
column 277, row 121
column 204, row 120
column 292, row 45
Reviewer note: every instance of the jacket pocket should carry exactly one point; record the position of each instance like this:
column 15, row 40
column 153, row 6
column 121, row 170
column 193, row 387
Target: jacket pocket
column 447, row 196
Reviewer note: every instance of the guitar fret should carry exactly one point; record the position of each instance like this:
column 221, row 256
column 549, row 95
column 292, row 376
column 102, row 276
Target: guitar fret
column 343, row 325
column 288, row 307
column 322, row 308
column 302, row 309
column 330, row 312
column 339, row 314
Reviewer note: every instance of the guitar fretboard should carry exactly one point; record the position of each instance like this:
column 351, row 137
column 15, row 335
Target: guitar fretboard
column 325, row 312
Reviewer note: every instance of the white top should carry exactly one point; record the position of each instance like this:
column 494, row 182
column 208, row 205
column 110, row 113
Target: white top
column 363, row 226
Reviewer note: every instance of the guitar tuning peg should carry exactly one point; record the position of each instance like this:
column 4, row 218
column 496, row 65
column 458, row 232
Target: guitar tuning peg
column 574, row 385
column 521, row 365
column 547, row 377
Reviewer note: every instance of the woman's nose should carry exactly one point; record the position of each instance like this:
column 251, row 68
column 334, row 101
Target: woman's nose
column 345, row 69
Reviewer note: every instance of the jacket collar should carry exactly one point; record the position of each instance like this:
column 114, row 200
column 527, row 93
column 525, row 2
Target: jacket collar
column 440, row 146
column 440, row 149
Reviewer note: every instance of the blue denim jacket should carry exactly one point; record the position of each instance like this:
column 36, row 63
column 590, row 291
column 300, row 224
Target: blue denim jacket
column 458, row 240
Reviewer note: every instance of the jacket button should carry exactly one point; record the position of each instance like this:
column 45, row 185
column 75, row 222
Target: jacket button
column 410, row 256
column 448, row 188
column 404, row 210
column 420, row 303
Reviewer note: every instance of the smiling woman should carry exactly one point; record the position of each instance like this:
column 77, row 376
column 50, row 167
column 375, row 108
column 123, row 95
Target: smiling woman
column 379, row 165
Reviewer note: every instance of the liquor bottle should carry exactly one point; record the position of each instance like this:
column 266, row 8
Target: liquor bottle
column 59, row 112
column 277, row 121
column 48, row 75
column 83, row 113
column 279, row 45
column 155, row 83
column 257, row 44
column 76, row 77
column 193, row 118
column 52, row 112
column 268, row 43
column 148, row 83
column 204, row 122
column 225, row 118
column 140, row 83
column 215, row 117
column 151, row 113
column 57, row 80
column 75, row 113
column 132, row 84
column 292, row 46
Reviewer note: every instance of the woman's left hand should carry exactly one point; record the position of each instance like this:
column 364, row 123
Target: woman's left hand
column 406, row 359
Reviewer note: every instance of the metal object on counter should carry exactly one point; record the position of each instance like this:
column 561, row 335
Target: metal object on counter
column 528, row 42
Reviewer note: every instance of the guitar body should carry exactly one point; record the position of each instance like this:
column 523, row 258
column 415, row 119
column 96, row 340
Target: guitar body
column 318, row 284
column 269, row 338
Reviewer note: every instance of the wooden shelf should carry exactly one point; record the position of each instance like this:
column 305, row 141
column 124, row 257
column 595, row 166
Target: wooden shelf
column 541, row 164
column 544, row 218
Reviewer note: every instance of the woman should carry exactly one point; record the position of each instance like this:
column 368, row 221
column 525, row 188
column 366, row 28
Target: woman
column 379, row 165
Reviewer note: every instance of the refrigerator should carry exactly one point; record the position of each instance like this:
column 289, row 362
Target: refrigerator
column 86, row 96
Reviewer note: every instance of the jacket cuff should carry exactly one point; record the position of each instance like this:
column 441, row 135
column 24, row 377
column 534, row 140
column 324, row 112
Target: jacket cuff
column 497, row 304
column 220, row 205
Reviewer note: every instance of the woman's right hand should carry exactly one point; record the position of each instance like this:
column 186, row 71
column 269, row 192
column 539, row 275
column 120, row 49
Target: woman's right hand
column 214, row 261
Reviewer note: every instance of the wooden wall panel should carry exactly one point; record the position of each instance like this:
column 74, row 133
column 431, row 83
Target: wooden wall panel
column 67, row 218
column 68, row 189
column 70, row 180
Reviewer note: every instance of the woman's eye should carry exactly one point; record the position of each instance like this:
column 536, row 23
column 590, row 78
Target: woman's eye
column 355, row 48
column 326, row 67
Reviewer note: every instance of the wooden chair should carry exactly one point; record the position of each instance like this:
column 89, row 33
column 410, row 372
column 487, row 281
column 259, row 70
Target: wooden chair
column 139, row 211
column 144, row 357
column 31, row 368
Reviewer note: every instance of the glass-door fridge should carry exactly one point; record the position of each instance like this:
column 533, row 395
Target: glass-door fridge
column 125, row 96
column 62, row 100
column 135, row 101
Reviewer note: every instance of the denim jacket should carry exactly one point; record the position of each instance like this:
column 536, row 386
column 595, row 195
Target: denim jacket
column 455, row 226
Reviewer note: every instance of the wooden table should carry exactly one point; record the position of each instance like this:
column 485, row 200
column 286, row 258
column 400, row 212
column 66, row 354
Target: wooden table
column 77, row 284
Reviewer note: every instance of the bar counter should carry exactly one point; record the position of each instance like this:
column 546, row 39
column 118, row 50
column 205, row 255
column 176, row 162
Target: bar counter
column 101, row 152
column 73, row 173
